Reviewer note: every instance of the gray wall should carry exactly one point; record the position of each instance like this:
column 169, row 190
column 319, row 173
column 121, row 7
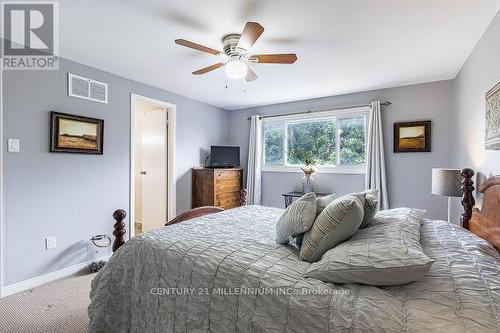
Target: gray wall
column 478, row 75
column 409, row 174
column 72, row 196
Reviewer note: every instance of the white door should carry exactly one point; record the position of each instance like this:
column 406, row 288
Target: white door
column 154, row 169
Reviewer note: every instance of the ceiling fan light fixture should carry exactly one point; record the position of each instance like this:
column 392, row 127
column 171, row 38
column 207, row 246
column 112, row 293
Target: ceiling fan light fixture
column 236, row 69
column 236, row 56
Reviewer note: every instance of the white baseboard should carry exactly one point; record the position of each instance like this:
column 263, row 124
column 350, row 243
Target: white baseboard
column 42, row 279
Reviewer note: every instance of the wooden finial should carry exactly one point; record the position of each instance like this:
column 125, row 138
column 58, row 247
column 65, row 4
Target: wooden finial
column 468, row 201
column 119, row 215
column 243, row 197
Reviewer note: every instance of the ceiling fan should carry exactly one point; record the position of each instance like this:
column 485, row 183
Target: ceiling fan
column 236, row 54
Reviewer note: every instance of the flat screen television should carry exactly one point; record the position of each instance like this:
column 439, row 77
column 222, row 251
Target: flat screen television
column 224, row 157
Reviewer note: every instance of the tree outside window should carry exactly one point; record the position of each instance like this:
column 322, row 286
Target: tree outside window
column 328, row 141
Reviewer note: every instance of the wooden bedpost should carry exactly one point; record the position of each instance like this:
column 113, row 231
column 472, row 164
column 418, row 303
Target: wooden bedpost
column 467, row 198
column 243, row 197
column 119, row 215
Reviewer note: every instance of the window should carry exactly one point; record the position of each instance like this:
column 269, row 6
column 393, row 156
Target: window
column 352, row 141
column 334, row 140
column 312, row 140
column 274, row 137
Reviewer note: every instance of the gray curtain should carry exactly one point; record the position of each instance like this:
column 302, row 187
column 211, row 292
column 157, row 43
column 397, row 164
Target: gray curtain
column 375, row 160
column 254, row 161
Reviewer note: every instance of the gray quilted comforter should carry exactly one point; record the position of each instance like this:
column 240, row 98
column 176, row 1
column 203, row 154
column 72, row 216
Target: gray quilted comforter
column 225, row 273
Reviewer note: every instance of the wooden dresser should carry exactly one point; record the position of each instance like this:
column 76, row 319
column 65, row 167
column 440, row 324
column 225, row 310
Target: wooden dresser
column 217, row 187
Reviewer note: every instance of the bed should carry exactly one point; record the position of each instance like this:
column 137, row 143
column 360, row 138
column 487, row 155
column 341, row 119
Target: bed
column 224, row 272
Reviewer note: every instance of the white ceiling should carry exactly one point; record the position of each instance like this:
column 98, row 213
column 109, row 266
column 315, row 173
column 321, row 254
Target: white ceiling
column 342, row 46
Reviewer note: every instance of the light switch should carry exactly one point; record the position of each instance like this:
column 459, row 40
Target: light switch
column 50, row 242
column 13, row 146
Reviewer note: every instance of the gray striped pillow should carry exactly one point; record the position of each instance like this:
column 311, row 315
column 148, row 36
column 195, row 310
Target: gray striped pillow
column 338, row 221
column 297, row 218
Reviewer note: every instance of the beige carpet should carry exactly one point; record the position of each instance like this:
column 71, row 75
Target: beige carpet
column 60, row 306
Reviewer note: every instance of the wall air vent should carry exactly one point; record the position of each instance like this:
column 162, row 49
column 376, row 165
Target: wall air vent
column 92, row 90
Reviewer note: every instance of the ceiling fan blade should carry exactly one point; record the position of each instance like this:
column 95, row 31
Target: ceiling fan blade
column 251, row 33
column 251, row 76
column 208, row 69
column 195, row 46
column 289, row 58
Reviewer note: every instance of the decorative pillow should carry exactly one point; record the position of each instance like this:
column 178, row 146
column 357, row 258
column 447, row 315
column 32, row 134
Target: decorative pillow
column 297, row 218
column 337, row 222
column 396, row 214
column 388, row 253
column 322, row 202
column 371, row 206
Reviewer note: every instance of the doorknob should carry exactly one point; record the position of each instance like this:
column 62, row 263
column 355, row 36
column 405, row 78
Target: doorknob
column 143, row 172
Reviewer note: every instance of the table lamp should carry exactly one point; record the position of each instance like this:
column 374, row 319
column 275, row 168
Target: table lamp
column 448, row 183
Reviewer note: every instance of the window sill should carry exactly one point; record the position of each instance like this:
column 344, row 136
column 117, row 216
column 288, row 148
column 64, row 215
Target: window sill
column 353, row 170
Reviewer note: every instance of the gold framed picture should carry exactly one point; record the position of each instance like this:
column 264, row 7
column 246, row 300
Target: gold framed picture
column 492, row 129
column 76, row 134
column 412, row 137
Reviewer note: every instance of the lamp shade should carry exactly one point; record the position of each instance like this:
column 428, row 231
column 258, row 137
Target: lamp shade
column 447, row 182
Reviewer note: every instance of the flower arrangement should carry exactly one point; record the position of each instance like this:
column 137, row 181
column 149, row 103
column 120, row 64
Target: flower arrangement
column 308, row 169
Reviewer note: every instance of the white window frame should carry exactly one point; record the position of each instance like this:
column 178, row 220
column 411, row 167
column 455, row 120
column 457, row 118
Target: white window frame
column 322, row 115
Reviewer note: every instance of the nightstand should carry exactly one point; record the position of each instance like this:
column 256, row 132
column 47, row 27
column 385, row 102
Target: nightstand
column 290, row 195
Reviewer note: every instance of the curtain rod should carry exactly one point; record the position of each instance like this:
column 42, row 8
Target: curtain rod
column 386, row 103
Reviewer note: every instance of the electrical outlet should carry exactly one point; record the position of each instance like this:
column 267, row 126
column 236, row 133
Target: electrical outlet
column 50, row 242
column 13, row 146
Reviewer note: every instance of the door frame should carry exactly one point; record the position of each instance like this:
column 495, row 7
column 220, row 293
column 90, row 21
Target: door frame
column 171, row 181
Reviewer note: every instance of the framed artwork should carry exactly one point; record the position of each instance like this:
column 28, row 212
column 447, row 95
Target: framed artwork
column 412, row 137
column 76, row 134
column 492, row 128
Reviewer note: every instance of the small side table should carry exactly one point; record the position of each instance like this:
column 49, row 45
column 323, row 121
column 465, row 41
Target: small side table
column 290, row 195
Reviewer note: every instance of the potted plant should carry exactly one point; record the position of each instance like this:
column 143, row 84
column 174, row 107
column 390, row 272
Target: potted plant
column 309, row 169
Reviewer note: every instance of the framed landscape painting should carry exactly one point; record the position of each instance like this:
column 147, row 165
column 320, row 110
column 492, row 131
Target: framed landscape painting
column 492, row 129
column 412, row 137
column 76, row 134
